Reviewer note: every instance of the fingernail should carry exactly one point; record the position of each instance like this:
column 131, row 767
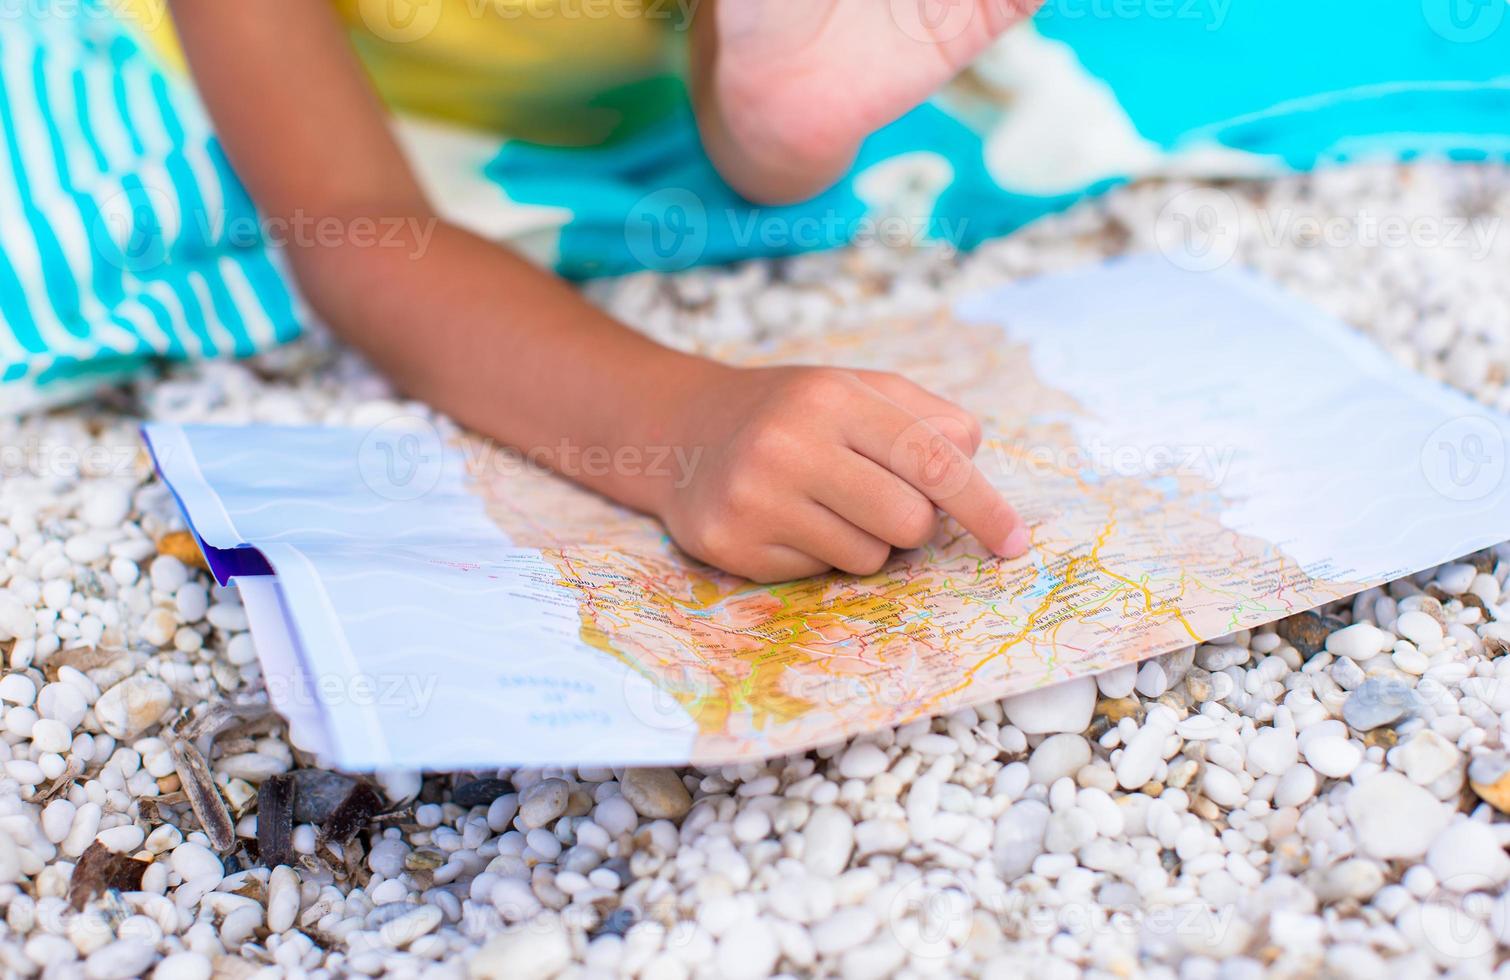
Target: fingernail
column 1016, row 544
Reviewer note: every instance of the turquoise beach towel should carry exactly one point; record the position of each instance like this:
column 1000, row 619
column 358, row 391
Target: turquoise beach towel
column 126, row 239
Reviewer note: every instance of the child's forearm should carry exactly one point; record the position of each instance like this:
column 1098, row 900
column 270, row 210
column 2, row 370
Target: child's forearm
column 507, row 349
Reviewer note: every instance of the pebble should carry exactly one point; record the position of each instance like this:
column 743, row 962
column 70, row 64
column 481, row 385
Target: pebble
column 1358, row 642
column 119, row 960
column 532, row 951
column 749, row 952
column 1274, row 750
column 197, row 863
column 1377, row 702
column 282, row 898
column 1425, row 757
column 1222, row 788
column 1356, row 878
column 862, row 760
column 656, row 793
column 1296, row 786
column 1063, row 707
column 1335, row 756
column 167, row 573
column 132, row 706
column 1468, row 857
column 1308, row 631
column 57, row 819
column 106, row 504
column 159, row 627
column 1144, row 751
column 18, row 689
column 1420, row 629
column 1067, row 831
column 48, row 735
column 1456, row 579
column 1393, row 817
column 64, row 703
column 192, row 601
column 1117, row 682
column 405, row 929
column 1152, row 679
column 543, row 802
column 184, row 966
column 1018, row 838
column 828, row 839
column 122, row 839
column 1058, row 756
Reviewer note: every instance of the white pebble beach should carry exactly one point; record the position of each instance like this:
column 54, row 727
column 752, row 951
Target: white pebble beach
column 1257, row 804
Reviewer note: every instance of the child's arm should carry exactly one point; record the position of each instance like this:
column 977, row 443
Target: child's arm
column 799, row 469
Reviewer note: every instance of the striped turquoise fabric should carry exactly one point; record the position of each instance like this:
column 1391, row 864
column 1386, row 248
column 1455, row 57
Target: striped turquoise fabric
column 124, row 235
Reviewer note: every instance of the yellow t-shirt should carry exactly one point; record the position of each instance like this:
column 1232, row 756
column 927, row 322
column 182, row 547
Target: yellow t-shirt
column 561, row 72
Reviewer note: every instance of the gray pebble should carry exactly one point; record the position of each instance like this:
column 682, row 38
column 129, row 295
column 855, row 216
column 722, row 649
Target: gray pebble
column 1378, row 702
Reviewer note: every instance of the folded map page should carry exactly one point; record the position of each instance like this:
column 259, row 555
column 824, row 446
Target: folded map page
column 1196, row 454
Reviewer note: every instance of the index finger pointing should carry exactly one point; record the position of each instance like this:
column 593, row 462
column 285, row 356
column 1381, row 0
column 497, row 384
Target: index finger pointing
column 915, row 450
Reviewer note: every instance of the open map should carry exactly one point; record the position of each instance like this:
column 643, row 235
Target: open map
column 1195, row 453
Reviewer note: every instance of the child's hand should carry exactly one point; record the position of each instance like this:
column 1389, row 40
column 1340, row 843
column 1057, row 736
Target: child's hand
column 806, row 469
